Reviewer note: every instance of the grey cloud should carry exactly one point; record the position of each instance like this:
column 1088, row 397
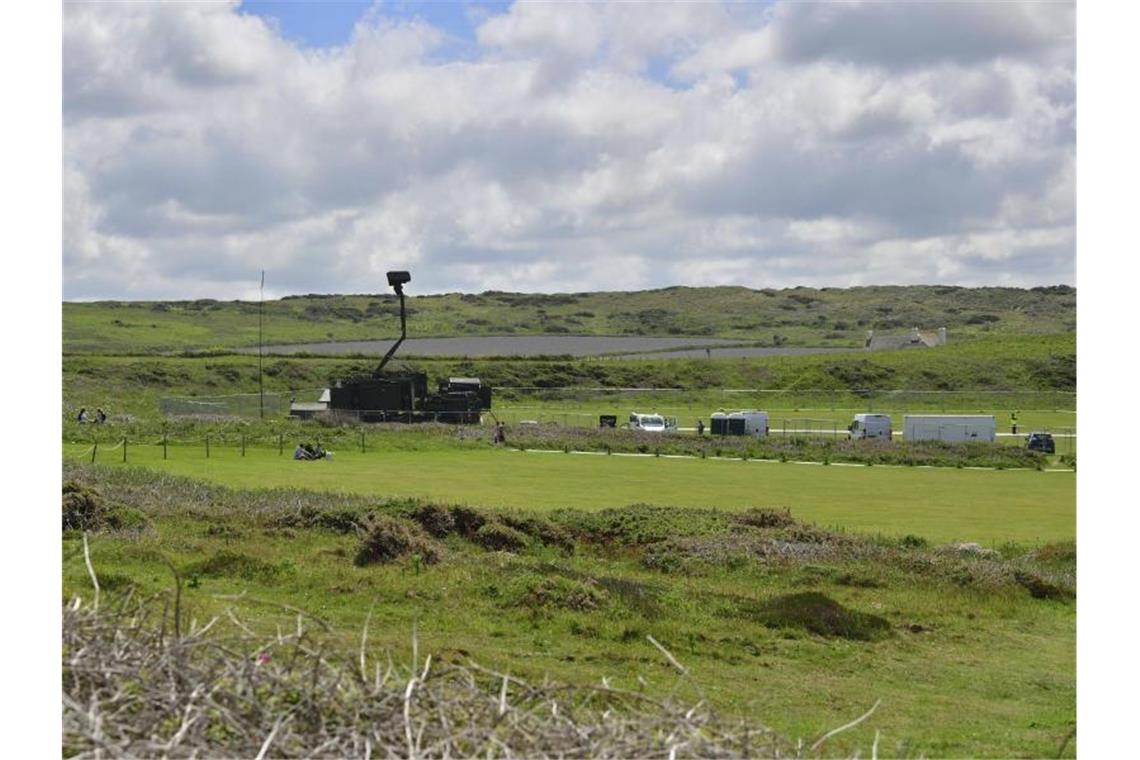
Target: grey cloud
column 905, row 35
column 203, row 149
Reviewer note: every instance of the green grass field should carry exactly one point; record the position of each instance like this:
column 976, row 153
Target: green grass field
column 976, row 658
column 969, row 666
column 939, row 504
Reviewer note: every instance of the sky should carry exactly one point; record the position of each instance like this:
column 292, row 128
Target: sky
column 564, row 147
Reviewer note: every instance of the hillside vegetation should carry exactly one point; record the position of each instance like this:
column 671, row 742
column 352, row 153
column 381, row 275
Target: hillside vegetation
column 1010, row 363
column 795, row 316
column 969, row 649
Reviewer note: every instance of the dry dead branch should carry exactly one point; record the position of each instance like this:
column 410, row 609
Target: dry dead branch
column 131, row 691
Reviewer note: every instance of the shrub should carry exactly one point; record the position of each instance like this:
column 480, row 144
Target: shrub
column 387, row 539
column 1059, row 552
column 640, row 524
column 560, row 593
column 543, row 530
column 499, row 537
column 816, row 613
column 234, row 565
column 1038, row 587
column 338, row 520
column 436, row 520
column 765, row 518
column 467, row 521
column 82, row 509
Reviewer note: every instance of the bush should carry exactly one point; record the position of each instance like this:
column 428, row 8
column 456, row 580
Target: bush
column 765, row 518
column 816, row 613
column 387, row 539
column 468, row 521
column 560, row 593
column 338, row 520
column 640, row 524
column 543, row 530
column 1059, row 552
column 1038, row 587
column 234, row 565
column 82, row 508
column 496, row 536
column 436, row 520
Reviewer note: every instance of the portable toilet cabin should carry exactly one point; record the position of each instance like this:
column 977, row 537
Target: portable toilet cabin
column 746, row 422
column 718, row 423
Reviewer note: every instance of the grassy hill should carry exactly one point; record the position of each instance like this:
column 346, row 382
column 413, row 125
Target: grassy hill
column 795, row 316
column 1044, row 363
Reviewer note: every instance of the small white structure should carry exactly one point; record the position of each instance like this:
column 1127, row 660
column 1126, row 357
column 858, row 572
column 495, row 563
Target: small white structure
column 950, row 427
column 307, row 410
column 870, row 426
column 914, row 339
column 744, row 422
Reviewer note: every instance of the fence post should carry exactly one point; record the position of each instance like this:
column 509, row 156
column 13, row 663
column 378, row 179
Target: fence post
column 361, row 440
column 94, row 448
column 243, row 444
column 280, row 444
column 164, row 446
column 124, row 448
column 207, row 446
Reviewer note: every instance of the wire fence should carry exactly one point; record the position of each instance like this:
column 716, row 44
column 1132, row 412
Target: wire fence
column 110, row 447
column 238, row 405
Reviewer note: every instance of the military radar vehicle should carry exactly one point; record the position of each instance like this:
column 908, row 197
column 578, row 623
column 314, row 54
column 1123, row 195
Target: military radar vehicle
column 403, row 396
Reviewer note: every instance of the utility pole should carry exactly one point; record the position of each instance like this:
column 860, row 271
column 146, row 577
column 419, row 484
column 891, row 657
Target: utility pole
column 260, row 306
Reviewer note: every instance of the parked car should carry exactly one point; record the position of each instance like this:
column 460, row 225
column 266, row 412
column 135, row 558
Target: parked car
column 652, row 423
column 1042, row 442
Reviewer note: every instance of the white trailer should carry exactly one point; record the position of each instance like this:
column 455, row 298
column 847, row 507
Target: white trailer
column 950, row 427
column 870, row 426
column 745, row 422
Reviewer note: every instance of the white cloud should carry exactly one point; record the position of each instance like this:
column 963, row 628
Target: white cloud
column 582, row 146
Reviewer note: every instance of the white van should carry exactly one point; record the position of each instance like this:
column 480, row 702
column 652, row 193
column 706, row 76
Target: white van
column 745, row 422
column 652, row 423
column 950, row 427
column 870, row 426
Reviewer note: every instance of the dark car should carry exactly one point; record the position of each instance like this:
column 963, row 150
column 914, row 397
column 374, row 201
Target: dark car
column 1042, row 442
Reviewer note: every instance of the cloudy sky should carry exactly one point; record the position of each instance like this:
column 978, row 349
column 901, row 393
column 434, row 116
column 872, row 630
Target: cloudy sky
column 564, row 146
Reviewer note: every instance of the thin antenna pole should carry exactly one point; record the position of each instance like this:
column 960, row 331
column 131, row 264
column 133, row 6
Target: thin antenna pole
column 260, row 386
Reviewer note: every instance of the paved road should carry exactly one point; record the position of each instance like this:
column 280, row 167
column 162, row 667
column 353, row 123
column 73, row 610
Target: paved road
column 619, row 346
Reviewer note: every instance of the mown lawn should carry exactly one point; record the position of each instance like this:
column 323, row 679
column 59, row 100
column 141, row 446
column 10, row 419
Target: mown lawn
column 942, row 504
